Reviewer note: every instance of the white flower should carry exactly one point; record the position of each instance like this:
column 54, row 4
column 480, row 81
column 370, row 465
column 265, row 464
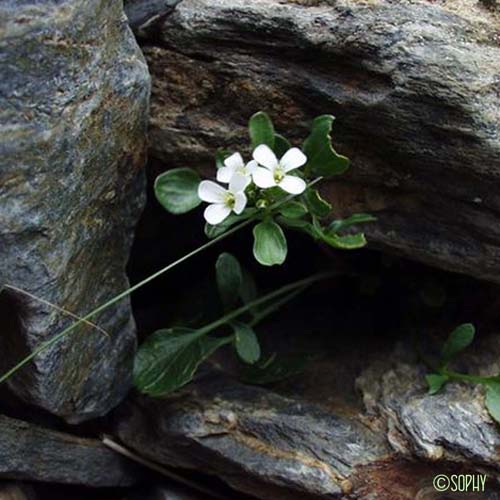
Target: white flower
column 274, row 172
column 223, row 201
column 234, row 164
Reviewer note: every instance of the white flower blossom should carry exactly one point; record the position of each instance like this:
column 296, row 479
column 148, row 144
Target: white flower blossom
column 235, row 164
column 223, row 201
column 274, row 173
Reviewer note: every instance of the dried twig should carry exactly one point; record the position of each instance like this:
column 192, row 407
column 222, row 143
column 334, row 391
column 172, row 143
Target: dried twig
column 58, row 308
column 118, row 448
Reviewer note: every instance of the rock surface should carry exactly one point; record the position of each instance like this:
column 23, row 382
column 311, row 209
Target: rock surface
column 32, row 453
column 414, row 86
column 357, row 424
column 258, row 442
column 73, row 116
column 142, row 13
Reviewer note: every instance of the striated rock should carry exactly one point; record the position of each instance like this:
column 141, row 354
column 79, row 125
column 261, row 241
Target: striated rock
column 32, row 453
column 451, row 426
column 73, row 116
column 142, row 13
column 259, row 442
column 414, row 86
column 357, row 423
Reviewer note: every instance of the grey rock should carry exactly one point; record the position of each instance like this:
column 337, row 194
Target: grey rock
column 260, row 443
column 142, row 14
column 164, row 491
column 32, row 453
column 414, row 86
column 73, row 115
column 16, row 491
column 451, row 426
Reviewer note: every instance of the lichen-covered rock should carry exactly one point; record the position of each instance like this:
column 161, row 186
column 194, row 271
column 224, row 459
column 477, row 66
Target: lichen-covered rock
column 33, row 453
column 414, row 86
column 73, row 114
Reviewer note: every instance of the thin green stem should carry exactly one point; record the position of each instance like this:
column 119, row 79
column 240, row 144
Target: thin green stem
column 261, row 315
column 468, row 378
column 262, row 300
column 126, row 293
column 91, row 314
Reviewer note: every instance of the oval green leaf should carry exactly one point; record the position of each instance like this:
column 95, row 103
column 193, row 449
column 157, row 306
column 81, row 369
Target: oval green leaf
column 246, row 342
column 459, row 339
column 177, row 190
column 261, row 130
column 269, row 246
column 229, row 278
column 293, row 210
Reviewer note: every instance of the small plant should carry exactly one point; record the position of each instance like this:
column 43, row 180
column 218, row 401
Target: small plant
column 169, row 358
column 262, row 189
column 275, row 190
column 460, row 339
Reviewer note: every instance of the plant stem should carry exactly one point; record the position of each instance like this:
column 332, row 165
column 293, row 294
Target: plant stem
column 468, row 378
column 261, row 315
column 291, row 287
column 126, row 293
column 84, row 319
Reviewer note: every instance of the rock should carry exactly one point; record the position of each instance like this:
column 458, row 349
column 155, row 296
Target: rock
column 414, row 86
column 16, row 491
column 141, row 13
column 260, row 443
column 451, row 426
column 32, row 453
column 164, row 492
column 73, row 116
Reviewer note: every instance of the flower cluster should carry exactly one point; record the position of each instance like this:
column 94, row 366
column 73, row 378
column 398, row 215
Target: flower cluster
column 264, row 171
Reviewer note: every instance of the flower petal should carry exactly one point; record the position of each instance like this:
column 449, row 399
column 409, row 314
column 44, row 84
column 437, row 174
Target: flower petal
column 293, row 158
column 234, row 161
column 251, row 166
column 224, row 174
column 240, row 202
column 238, row 182
column 216, row 213
column 264, row 156
column 263, row 178
column 292, row 184
column 211, row 192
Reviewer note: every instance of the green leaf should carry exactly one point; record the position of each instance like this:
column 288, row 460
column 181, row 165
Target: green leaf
column 436, row 382
column 248, row 289
column 229, row 278
column 322, row 159
column 274, row 369
column 345, row 242
column 293, row 210
column 246, row 342
column 281, row 145
column 177, row 190
column 459, row 339
column 214, row 231
column 168, row 359
column 269, row 246
column 493, row 400
column 220, row 156
column 301, row 225
column 337, row 225
column 261, row 130
column 317, row 205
